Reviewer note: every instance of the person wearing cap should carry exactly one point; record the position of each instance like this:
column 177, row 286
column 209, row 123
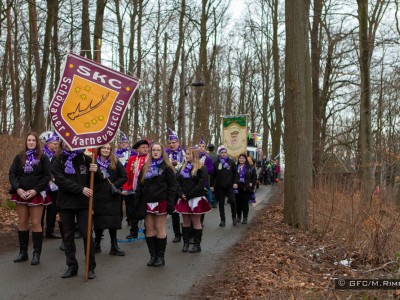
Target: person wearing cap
column 211, row 152
column 223, row 182
column 51, row 143
column 29, row 175
column 123, row 153
column 177, row 157
column 106, row 203
column 133, row 168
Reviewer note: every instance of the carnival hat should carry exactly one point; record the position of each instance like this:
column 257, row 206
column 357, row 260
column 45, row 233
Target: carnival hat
column 122, row 137
column 202, row 142
column 172, row 135
column 49, row 136
column 139, row 143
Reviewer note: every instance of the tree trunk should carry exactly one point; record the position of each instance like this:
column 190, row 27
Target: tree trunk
column 296, row 139
column 85, row 34
column 366, row 164
column 276, row 133
column 139, row 70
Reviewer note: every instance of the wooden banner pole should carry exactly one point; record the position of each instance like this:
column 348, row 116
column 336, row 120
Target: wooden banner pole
column 90, row 210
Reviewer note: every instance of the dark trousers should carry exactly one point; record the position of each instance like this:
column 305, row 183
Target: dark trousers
column 99, row 233
column 50, row 213
column 68, row 217
column 242, row 203
column 220, row 194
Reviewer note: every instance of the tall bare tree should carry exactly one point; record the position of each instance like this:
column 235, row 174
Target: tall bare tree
column 296, row 136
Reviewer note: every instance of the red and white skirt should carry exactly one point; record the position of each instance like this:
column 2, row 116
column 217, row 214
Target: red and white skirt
column 157, row 208
column 35, row 201
column 196, row 206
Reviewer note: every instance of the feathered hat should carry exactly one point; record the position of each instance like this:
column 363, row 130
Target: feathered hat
column 49, row 136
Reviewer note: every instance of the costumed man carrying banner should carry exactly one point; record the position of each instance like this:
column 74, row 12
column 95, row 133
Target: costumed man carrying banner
column 86, row 112
column 177, row 157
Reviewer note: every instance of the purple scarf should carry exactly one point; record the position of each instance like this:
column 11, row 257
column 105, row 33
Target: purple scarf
column 153, row 170
column 201, row 154
column 120, row 152
column 223, row 163
column 48, row 152
column 242, row 173
column 104, row 166
column 69, row 167
column 186, row 171
column 30, row 161
column 176, row 155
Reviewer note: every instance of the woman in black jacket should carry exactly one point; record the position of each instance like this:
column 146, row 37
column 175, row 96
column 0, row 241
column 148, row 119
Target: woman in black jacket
column 246, row 185
column 155, row 194
column 29, row 175
column 71, row 171
column 192, row 203
column 107, row 205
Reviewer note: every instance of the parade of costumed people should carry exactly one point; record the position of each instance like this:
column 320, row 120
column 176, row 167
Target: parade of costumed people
column 71, row 170
column 155, row 195
column 107, row 200
column 177, row 157
column 192, row 202
column 133, row 168
column 246, row 185
column 223, row 182
column 29, row 176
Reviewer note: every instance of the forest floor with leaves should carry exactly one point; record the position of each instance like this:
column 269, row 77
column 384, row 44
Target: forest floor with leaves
column 275, row 261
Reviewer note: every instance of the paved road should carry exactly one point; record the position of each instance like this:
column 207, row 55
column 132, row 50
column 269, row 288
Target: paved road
column 123, row 277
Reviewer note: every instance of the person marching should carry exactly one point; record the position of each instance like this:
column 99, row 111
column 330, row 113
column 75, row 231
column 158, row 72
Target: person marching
column 246, row 185
column 123, row 153
column 223, row 182
column 29, row 175
column 177, row 157
column 192, row 203
column 208, row 163
column 51, row 143
column 133, row 168
column 155, row 195
column 107, row 204
column 71, row 170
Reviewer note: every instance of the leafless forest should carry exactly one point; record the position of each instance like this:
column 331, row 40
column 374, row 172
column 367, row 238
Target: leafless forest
column 319, row 79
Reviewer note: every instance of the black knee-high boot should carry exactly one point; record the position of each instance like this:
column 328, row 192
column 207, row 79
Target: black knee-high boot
column 197, row 240
column 151, row 244
column 186, row 237
column 161, row 244
column 37, row 238
column 23, row 237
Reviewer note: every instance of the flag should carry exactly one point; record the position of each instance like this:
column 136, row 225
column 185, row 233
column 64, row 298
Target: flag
column 90, row 102
column 234, row 134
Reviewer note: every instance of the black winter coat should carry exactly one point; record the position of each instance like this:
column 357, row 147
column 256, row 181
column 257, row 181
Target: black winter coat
column 70, row 186
column 194, row 186
column 250, row 177
column 155, row 189
column 224, row 178
column 37, row 180
column 107, row 207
